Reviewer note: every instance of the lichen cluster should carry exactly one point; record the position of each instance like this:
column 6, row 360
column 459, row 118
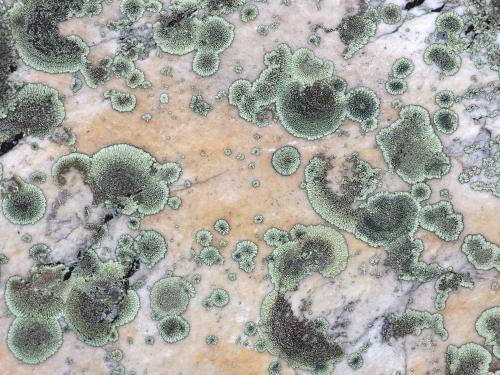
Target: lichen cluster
column 483, row 174
column 92, row 296
column 310, row 101
column 124, row 177
column 362, row 182
column 297, row 254
column 444, row 55
column 180, row 32
column 168, row 300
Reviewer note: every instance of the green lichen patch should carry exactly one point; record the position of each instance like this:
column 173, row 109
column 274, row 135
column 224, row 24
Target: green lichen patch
column 173, row 329
column 450, row 282
column 150, row 246
column 244, row 254
column 121, row 101
column 356, row 30
column 34, row 341
column 317, row 249
column 488, row 326
column 402, row 67
column 443, row 57
column 286, row 160
column 179, row 32
column 99, row 301
column 219, row 298
column 24, row 203
column 296, row 340
column 469, row 358
column 170, row 296
column 249, row 12
column 36, row 110
column 396, row 86
column 363, row 105
column 483, row 254
column 411, row 148
column 35, row 30
column 41, row 296
column 308, row 99
column 446, row 120
column 338, row 206
column 391, row 14
column 123, row 176
column 413, row 322
column 444, row 98
column 441, row 219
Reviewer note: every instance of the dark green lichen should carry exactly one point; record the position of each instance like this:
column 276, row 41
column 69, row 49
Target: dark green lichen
column 132, row 9
column 211, row 340
column 205, row 64
column 170, row 296
column 36, row 110
column 450, row 282
column 446, row 120
column 180, row 33
column 403, row 256
column 317, row 249
column 469, row 358
column 250, row 328
column 441, row 219
column 483, row 255
column 444, row 98
column 33, row 341
column 310, row 112
column 123, row 176
column 244, row 254
column 443, row 57
column 204, row 237
column 421, row 191
column 41, row 296
column 386, row 218
column 356, row 30
column 150, row 247
column 173, row 329
column 402, row 67
column 488, row 326
column 413, row 322
column 391, row 14
column 286, row 160
column 338, row 207
column 363, row 105
column 411, row 148
column 99, row 300
column 309, row 101
column 450, row 23
column 24, row 203
column 295, row 339
column 121, row 101
column 35, row 30
column 218, row 298
column 248, row 12
column 396, row 86
column 222, row 227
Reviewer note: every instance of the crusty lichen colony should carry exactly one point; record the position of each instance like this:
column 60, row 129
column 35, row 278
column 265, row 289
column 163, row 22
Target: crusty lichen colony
column 249, row 187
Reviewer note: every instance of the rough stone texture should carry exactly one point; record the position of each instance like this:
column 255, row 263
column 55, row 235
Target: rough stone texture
column 221, row 188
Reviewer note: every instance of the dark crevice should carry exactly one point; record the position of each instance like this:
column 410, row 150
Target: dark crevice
column 413, row 4
column 132, row 268
column 67, row 275
column 108, row 218
column 437, row 10
column 10, row 143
